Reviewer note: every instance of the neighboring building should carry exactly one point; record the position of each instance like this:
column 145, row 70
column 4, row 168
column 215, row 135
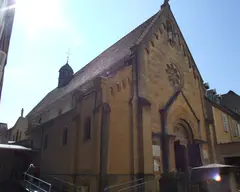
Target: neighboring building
column 3, row 130
column 7, row 12
column 231, row 101
column 137, row 110
column 18, row 131
column 223, row 130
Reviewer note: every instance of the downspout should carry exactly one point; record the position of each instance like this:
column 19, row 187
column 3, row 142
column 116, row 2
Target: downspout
column 164, row 141
column 78, row 116
column 138, row 109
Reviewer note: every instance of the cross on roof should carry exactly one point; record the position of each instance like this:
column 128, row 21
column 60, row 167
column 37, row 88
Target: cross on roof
column 68, row 55
column 166, row 2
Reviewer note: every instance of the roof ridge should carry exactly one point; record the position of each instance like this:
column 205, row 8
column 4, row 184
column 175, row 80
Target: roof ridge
column 125, row 36
column 144, row 33
column 110, row 57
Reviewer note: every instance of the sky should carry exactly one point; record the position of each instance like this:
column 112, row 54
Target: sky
column 44, row 30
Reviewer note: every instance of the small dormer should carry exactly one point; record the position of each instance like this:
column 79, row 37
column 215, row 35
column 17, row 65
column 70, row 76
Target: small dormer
column 65, row 75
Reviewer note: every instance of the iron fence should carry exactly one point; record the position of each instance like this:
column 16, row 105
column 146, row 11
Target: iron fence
column 32, row 184
column 123, row 184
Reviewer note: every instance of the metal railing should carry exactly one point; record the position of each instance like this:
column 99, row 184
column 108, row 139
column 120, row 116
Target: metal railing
column 138, row 186
column 32, row 183
column 122, row 184
column 60, row 185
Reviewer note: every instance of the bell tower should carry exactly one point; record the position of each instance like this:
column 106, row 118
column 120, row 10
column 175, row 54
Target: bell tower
column 65, row 74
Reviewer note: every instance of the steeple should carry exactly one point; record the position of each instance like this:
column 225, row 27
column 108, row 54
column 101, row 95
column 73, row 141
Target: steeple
column 65, row 74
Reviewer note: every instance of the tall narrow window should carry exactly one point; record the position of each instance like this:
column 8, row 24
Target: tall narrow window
column 123, row 84
column 118, row 87
column 87, row 128
column 225, row 122
column 112, row 91
column 20, row 135
column 59, row 111
column 45, row 142
column 17, row 136
column 65, row 136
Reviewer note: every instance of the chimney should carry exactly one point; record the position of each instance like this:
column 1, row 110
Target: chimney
column 22, row 112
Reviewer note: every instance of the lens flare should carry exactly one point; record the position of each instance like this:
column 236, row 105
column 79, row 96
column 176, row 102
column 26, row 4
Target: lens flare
column 217, row 178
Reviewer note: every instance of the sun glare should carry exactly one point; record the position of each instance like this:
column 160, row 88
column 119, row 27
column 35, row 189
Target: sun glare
column 39, row 14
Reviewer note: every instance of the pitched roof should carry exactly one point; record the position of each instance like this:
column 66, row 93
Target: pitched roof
column 106, row 60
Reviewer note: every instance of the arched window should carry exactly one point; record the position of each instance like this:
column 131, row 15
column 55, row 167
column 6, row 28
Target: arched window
column 111, row 91
column 118, row 87
column 65, row 136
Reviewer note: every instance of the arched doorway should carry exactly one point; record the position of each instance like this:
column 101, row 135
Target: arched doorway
column 183, row 137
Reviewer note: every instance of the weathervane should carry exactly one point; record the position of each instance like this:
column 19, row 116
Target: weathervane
column 68, row 55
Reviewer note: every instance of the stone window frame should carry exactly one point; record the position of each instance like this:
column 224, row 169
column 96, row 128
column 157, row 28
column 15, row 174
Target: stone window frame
column 45, row 144
column 118, row 87
column 87, row 128
column 124, row 83
column 111, row 91
column 65, row 136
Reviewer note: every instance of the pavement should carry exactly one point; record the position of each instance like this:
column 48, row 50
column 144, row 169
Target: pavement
column 11, row 186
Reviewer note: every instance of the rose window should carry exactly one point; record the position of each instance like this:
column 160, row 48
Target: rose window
column 174, row 76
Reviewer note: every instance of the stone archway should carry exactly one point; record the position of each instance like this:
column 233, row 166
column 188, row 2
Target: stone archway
column 183, row 138
column 186, row 150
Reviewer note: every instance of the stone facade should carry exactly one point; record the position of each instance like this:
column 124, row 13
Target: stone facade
column 132, row 122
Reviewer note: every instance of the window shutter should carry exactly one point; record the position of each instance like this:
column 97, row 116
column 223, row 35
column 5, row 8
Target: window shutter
column 234, row 128
column 238, row 127
column 225, row 122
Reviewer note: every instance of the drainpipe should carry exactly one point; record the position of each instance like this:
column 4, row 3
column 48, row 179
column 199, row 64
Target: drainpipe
column 135, row 93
